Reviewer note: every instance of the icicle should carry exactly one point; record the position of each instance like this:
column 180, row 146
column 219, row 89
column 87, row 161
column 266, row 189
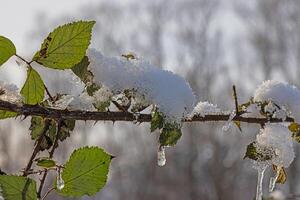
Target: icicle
column 229, row 122
column 260, row 177
column 274, row 179
column 161, row 156
column 60, row 182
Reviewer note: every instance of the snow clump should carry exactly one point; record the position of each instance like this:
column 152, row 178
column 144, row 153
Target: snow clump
column 168, row 91
column 277, row 139
column 205, row 108
column 282, row 94
column 9, row 92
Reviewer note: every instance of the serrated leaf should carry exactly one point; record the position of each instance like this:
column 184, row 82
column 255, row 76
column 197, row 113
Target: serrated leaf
column 38, row 124
column 7, row 49
column 7, row 114
column 157, row 121
column 66, row 45
column 86, row 172
column 33, row 88
column 170, row 135
column 81, row 70
column 17, row 188
column 45, row 162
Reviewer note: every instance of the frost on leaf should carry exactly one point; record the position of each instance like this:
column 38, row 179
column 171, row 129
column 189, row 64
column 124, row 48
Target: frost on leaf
column 273, row 145
column 168, row 91
column 282, row 94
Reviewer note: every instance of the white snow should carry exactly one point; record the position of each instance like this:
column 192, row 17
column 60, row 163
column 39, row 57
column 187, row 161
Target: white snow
column 168, row 91
column 205, row 108
column 282, row 94
column 9, row 92
column 276, row 138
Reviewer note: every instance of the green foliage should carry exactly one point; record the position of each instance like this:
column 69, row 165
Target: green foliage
column 65, row 46
column 17, row 188
column 7, row 49
column 33, row 89
column 81, row 70
column 45, row 162
column 7, row 114
column 170, row 134
column 157, row 121
column 254, row 154
column 38, row 124
column 86, row 172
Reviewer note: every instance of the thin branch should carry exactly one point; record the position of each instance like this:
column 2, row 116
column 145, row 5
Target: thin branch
column 55, row 145
column 235, row 100
column 36, row 148
column 37, row 110
column 21, row 58
column 48, row 93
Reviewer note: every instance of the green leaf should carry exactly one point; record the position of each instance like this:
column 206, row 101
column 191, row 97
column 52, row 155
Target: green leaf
column 7, row 114
column 7, row 49
column 66, row 45
column 45, row 162
column 33, row 89
column 86, row 172
column 157, row 121
column 17, row 188
column 81, row 70
column 38, row 124
column 170, row 135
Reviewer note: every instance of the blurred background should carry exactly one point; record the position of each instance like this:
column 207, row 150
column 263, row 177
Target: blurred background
column 212, row 43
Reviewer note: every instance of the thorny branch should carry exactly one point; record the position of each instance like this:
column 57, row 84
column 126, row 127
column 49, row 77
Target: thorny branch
column 37, row 110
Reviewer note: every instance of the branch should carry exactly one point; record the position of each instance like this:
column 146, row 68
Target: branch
column 36, row 148
column 37, row 110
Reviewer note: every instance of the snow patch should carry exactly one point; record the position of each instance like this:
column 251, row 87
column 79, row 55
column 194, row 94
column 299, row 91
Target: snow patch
column 205, row 108
column 9, row 92
column 276, row 138
column 168, row 91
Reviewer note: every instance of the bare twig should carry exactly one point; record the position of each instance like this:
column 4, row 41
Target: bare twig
column 36, row 148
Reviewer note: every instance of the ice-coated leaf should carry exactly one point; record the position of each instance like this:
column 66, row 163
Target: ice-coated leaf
column 7, row 114
column 85, row 173
column 7, row 49
column 17, row 188
column 295, row 129
column 170, row 135
column 66, row 45
column 33, row 89
column 254, row 154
